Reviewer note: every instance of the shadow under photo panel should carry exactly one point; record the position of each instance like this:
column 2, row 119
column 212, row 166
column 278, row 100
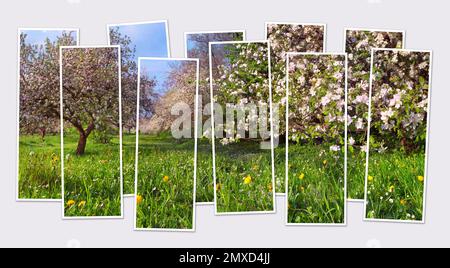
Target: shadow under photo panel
column 284, row 38
column 91, row 132
column 197, row 46
column 398, row 138
column 143, row 39
column 166, row 144
column 358, row 45
column 38, row 159
column 316, row 151
column 242, row 134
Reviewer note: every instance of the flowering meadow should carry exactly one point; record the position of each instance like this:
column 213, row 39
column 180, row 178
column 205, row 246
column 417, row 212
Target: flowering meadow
column 197, row 46
column 165, row 182
column 316, row 130
column 92, row 185
column 288, row 38
column 90, row 89
column 243, row 179
column 358, row 45
column 398, row 135
column 39, row 171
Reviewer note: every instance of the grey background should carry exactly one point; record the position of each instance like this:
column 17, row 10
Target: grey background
column 40, row 225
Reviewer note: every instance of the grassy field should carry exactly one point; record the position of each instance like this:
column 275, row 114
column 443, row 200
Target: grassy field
column 205, row 178
column 395, row 186
column 316, row 185
column 280, row 168
column 165, row 183
column 92, row 181
column 128, row 158
column 244, row 178
column 356, row 168
column 39, row 167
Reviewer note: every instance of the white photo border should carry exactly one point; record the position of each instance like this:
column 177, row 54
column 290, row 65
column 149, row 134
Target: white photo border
column 274, row 201
column 19, row 31
column 344, row 224
column 64, row 217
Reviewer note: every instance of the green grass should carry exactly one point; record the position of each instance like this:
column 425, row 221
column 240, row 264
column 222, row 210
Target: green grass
column 395, row 190
column 205, row 178
column 356, row 174
column 236, row 162
column 92, row 181
column 39, row 167
column 316, row 185
column 280, row 168
column 128, row 160
column 165, row 183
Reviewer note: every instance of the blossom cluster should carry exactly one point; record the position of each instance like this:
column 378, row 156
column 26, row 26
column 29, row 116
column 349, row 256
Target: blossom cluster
column 399, row 99
column 242, row 79
column 317, row 98
column 286, row 38
column 359, row 44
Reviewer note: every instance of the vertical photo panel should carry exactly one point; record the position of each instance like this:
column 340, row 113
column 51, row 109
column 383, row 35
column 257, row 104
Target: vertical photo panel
column 144, row 39
column 242, row 136
column 166, row 144
column 91, row 132
column 197, row 46
column 284, row 38
column 358, row 45
column 316, row 151
column 398, row 138
column 39, row 163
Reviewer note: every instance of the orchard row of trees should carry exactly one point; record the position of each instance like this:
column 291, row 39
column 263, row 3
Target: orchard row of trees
column 90, row 88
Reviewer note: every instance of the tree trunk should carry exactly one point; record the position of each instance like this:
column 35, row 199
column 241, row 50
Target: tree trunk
column 81, row 148
column 43, row 133
column 84, row 134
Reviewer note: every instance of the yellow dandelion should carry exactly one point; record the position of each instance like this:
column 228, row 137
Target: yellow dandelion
column 391, row 189
column 139, row 199
column 248, row 180
column 370, row 178
column 420, row 178
column 166, row 178
column 403, row 202
column 82, row 204
column 55, row 159
column 218, row 187
column 325, row 162
column 70, row 203
column 301, row 176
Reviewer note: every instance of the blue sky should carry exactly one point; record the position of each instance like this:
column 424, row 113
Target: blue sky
column 159, row 70
column 38, row 37
column 150, row 39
